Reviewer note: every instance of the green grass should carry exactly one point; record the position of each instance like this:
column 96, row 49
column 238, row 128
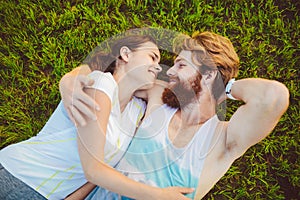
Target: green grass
column 40, row 41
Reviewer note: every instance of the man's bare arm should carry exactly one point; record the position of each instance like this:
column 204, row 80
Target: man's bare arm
column 265, row 102
column 152, row 96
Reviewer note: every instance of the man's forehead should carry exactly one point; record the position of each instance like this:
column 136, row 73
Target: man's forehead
column 184, row 55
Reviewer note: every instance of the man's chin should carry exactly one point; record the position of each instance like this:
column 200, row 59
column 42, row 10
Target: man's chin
column 178, row 96
column 171, row 84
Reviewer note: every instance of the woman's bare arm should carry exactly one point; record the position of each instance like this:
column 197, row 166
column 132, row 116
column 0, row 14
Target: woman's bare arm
column 82, row 192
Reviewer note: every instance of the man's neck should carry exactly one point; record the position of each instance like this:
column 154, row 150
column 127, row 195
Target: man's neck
column 198, row 111
column 187, row 121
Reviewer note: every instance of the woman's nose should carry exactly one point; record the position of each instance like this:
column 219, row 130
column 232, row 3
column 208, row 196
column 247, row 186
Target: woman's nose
column 158, row 68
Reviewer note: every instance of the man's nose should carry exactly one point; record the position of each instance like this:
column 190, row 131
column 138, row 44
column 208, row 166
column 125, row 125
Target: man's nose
column 171, row 71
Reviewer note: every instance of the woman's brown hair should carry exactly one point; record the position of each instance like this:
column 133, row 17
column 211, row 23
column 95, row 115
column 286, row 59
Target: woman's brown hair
column 105, row 61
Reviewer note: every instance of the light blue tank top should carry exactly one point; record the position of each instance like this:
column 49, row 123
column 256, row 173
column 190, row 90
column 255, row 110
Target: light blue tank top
column 152, row 158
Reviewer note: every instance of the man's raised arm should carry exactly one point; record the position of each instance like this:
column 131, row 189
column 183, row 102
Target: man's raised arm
column 265, row 102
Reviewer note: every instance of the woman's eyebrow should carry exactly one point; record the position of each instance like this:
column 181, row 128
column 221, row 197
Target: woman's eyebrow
column 156, row 55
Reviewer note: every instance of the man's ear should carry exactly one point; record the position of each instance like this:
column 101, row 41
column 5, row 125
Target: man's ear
column 124, row 53
column 209, row 76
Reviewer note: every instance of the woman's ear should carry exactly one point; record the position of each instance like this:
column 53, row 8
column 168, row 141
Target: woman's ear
column 124, row 53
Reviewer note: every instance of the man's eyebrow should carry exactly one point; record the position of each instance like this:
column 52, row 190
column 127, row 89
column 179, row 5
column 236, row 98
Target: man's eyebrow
column 178, row 59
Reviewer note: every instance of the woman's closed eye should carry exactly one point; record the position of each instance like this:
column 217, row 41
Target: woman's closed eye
column 153, row 57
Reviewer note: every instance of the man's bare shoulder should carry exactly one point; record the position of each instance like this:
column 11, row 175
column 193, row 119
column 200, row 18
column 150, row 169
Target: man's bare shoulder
column 217, row 162
column 154, row 95
column 219, row 147
column 222, row 148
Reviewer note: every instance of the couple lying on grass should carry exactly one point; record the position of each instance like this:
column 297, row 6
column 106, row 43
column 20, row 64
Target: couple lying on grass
column 121, row 133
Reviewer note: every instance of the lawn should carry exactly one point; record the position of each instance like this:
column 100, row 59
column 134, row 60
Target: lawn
column 42, row 40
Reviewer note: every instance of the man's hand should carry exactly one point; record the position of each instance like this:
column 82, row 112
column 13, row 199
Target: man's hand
column 75, row 100
column 174, row 193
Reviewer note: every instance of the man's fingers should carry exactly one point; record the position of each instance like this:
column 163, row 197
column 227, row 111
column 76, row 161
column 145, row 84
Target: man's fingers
column 77, row 116
column 70, row 116
column 85, row 81
column 85, row 110
column 185, row 198
column 90, row 81
column 89, row 101
column 185, row 190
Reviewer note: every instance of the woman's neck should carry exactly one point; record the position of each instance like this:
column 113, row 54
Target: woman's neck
column 125, row 90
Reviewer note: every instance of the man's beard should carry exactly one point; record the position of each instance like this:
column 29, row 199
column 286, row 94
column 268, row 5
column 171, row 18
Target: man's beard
column 180, row 95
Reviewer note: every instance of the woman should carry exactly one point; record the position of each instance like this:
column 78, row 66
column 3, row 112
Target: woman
column 54, row 166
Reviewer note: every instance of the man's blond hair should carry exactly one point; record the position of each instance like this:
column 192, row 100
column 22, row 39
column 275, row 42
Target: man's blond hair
column 211, row 51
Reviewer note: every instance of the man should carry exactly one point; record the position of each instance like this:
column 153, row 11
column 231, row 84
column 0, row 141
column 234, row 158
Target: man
column 183, row 142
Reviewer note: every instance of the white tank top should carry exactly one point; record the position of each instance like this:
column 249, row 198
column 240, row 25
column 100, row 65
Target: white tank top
column 50, row 163
column 153, row 159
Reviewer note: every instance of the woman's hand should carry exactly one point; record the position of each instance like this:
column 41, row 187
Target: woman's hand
column 75, row 100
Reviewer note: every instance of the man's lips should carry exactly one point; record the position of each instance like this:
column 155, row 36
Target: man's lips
column 173, row 81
